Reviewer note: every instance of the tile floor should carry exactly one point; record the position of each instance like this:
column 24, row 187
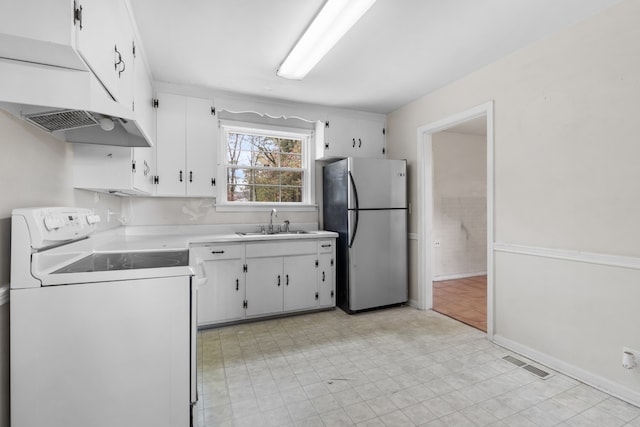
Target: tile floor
column 395, row 367
column 463, row 299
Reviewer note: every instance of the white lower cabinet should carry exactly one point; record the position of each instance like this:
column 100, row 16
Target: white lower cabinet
column 300, row 291
column 250, row 280
column 264, row 286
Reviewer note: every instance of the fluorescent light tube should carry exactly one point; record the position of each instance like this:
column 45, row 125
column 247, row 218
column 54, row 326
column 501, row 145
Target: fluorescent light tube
column 333, row 21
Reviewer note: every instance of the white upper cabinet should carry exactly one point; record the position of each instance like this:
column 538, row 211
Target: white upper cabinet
column 105, row 41
column 94, row 35
column 121, row 170
column 348, row 135
column 143, row 97
column 186, row 141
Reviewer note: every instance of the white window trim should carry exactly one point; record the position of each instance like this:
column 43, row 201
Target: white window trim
column 308, row 204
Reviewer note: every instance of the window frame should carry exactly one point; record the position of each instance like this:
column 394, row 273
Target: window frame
column 308, row 166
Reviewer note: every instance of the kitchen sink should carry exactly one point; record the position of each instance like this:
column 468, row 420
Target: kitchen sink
column 275, row 233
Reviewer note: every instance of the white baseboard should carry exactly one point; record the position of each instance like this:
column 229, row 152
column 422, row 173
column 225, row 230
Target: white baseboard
column 413, row 303
column 458, row 276
column 572, row 371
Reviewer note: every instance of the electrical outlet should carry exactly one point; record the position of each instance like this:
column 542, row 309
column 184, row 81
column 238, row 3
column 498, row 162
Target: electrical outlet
column 630, row 358
column 436, row 243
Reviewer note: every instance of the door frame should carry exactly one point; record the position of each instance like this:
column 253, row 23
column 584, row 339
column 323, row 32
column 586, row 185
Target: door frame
column 425, row 204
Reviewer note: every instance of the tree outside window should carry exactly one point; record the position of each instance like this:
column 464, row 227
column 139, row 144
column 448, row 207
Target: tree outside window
column 261, row 167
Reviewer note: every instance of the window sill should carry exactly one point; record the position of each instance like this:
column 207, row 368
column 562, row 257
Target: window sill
column 262, row 207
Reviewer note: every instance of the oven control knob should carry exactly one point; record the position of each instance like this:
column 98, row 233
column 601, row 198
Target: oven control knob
column 93, row 219
column 53, row 223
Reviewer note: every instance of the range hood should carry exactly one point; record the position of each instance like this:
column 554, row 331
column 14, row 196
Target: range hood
column 70, row 104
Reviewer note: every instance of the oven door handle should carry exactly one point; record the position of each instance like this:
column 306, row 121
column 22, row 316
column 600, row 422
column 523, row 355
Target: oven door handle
column 201, row 278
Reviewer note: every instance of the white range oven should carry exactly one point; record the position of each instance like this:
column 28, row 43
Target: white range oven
column 97, row 338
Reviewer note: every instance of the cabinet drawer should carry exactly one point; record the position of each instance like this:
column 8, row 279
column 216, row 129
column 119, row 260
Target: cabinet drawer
column 326, row 246
column 288, row 247
column 214, row 252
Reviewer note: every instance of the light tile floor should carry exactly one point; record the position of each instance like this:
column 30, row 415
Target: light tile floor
column 395, row 367
column 463, row 299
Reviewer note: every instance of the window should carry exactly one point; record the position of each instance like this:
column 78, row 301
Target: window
column 266, row 165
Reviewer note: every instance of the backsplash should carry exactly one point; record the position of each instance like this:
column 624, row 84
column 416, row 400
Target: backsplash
column 183, row 211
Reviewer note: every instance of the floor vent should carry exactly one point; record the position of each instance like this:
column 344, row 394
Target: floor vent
column 519, row 363
column 537, row 371
column 530, row 368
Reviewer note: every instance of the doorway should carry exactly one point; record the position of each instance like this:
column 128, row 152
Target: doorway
column 428, row 240
column 460, row 222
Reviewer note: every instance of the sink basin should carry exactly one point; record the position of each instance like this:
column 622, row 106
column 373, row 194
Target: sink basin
column 276, row 233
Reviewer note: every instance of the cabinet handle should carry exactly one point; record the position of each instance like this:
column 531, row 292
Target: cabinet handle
column 190, row 176
column 237, row 285
column 213, row 182
column 147, row 168
column 121, row 70
column 180, row 176
column 354, row 143
column 217, row 252
column 119, row 64
column 278, row 280
column 359, row 143
column 323, row 276
column 118, row 58
column 325, row 246
column 287, row 280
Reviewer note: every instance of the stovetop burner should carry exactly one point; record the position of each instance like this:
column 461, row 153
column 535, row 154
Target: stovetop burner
column 127, row 260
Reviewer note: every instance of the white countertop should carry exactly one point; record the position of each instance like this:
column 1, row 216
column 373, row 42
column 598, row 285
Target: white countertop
column 147, row 238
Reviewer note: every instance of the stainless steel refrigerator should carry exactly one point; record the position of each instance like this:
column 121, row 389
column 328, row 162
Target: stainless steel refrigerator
column 365, row 202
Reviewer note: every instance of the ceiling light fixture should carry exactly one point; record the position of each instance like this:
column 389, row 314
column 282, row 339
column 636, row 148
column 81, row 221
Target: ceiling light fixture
column 333, row 21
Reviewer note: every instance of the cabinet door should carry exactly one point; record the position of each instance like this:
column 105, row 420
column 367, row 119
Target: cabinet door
column 326, row 280
column 370, row 139
column 299, row 282
column 221, row 298
column 170, row 145
column 99, row 43
column 338, row 137
column 201, row 132
column 143, row 172
column 143, row 97
column 264, row 284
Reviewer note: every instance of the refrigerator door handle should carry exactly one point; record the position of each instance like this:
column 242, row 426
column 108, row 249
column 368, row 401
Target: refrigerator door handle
column 356, row 210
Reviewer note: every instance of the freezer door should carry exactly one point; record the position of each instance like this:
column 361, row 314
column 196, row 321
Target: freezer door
column 377, row 183
column 378, row 260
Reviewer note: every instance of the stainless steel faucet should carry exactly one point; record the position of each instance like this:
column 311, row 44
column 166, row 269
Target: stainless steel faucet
column 273, row 212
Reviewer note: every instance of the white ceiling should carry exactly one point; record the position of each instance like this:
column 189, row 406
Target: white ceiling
column 399, row 51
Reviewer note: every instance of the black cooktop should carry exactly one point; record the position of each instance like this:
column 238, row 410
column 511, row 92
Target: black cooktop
column 127, row 260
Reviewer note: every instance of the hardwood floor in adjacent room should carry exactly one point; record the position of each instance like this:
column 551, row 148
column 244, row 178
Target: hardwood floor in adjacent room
column 463, row 299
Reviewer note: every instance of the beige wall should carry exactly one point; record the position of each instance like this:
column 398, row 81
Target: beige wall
column 459, row 204
column 566, row 178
